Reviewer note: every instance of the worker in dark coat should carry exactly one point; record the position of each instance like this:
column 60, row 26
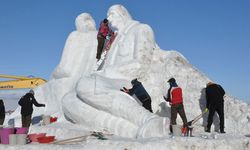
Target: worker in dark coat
column 139, row 91
column 2, row 112
column 215, row 103
column 26, row 103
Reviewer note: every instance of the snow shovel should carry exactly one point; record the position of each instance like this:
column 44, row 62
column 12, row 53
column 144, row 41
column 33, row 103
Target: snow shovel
column 192, row 122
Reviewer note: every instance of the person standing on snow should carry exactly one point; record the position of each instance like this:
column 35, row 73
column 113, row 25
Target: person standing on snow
column 103, row 32
column 174, row 97
column 26, row 103
column 215, row 102
column 2, row 112
column 140, row 93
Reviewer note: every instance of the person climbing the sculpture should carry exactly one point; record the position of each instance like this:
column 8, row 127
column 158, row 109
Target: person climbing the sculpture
column 26, row 102
column 140, row 93
column 174, row 97
column 104, row 32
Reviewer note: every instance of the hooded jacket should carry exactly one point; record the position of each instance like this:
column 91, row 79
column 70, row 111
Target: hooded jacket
column 139, row 91
column 214, row 95
column 2, row 110
column 104, row 30
column 26, row 103
column 174, row 94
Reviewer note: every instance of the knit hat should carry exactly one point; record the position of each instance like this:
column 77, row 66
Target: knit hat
column 105, row 20
column 32, row 91
column 134, row 81
column 209, row 83
column 171, row 80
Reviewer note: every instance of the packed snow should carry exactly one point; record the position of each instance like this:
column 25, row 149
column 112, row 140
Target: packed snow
column 86, row 100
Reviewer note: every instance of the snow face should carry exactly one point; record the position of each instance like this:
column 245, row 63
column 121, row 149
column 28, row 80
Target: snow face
column 92, row 98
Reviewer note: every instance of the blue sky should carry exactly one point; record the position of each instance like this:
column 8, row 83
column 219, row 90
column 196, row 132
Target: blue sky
column 213, row 35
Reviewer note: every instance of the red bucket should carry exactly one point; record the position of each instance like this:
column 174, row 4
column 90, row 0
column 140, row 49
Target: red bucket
column 33, row 137
column 46, row 139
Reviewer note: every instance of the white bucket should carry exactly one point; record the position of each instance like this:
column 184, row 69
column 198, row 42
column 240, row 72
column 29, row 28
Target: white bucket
column 12, row 139
column 46, row 120
column 21, row 139
column 176, row 130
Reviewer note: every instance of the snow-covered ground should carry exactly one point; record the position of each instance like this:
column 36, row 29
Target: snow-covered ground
column 86, row 100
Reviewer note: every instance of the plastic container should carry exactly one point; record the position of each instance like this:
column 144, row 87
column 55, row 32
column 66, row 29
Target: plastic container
column 46, row 120
column 53, row 119
column 176, row 130
column 22, row 130
column 46, row 139
column 5, row 135
column 12, row 139
column 33, row 137
column 21, row 139
column 1, row 128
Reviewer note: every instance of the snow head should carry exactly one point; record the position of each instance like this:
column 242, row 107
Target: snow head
column 118, row 16
column 84, row 23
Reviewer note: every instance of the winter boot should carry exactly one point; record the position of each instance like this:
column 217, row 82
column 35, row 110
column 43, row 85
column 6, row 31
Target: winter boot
column 207, row 130
column 222, row 131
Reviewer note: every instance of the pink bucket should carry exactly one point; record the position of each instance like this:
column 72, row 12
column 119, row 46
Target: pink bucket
column 22, row 130
column 5, row 135
column 0, row 133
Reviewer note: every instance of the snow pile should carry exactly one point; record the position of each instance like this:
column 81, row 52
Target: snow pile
column 92, row 99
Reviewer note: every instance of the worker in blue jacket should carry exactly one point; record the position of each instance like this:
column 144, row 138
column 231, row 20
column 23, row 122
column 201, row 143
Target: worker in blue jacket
column 139, row 91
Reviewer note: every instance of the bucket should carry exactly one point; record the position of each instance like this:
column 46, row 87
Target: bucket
column 46, row 120
column 22, row 130
column 1, row 128
column 21, row 139
column 5, row 135
column 33, row 137
column 12, row 139
column 176, row 130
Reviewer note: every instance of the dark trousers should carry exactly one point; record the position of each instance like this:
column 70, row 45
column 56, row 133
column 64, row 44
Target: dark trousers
column 1, row 121
column 147, row 105
column 100, row 46
column 26, row 120
column 220, row 110
column 178, row 108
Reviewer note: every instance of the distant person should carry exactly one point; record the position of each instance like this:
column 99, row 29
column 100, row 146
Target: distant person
column 103, row 33
column 174, row 97
column 139, row 91
column 2, row 112
column 215, row 103
column 26, row 103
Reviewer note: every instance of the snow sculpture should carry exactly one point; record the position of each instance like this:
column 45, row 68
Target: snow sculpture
column 98, row 102
column 76, row 61
column 134, row 42
column 75, row 54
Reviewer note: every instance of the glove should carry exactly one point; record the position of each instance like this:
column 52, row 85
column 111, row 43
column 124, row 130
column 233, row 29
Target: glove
column 166, row 99
column 108, row 37
column 43, row 105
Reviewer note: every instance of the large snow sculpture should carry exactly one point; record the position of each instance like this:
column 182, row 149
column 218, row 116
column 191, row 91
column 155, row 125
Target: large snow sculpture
column 98, row 102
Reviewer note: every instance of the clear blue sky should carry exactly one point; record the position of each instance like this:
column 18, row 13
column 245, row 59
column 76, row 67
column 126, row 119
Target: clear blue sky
column 213, row 35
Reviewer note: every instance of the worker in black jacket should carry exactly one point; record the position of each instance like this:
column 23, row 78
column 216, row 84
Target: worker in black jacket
column 215, row 103
column 140, row 93
column 26, row 103
column 2, row 112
